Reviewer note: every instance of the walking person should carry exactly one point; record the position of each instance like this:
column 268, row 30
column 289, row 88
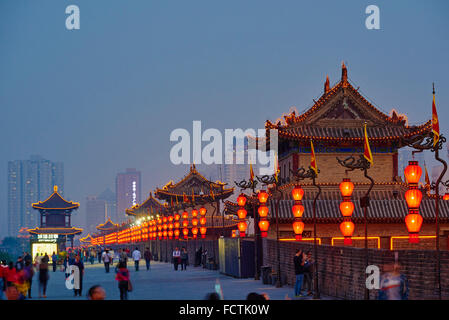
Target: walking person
column 176, row 258
column 393, row 284
column 29, row 273
column 308, row 272
column 54, row 260
column 298, row 262
column 123, row 279
column 124, row 257
column 99, row 255
column 43, row 276
column 106, row 257
column 78, row 283
column 136, row 257
column 147, row 257
column 184, row 258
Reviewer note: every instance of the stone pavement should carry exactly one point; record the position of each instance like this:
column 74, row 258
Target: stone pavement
column 161, row 283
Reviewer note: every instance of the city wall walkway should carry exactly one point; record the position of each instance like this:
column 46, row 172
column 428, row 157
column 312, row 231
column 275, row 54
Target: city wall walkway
column 161, row 283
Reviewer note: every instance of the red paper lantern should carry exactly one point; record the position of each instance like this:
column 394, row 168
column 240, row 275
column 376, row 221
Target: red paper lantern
column 185, row 223
column 194, row 213
column 347, row 229
column 298, row 228
column 346, row 187
column 242, row 213
column 263, row 196
column 176, row 233
column 413, row 221
column 203, row 220
column 413, row 198
column 194, row 232
column 170, row 234
column 242, row 228
column 298, row 210
column 446, row 196
column 263, row 226
column 297, row 193
column 164, row 219
column 347, row 208
column 241, row 200
column 185, row 232
column 203, row 232
column 185, row 215
column 177, row 217
column 170, row 218
column 263, row 211
column 194, row 222
column 203, row 211
column 412, row 172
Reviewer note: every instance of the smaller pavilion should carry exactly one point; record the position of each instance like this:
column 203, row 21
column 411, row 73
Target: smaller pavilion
column 55, row 225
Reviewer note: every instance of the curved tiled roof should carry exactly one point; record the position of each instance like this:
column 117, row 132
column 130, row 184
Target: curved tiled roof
column 379, row 211
column 63, row 231
column 380, row 126
column 55, row 202
column 108, row 225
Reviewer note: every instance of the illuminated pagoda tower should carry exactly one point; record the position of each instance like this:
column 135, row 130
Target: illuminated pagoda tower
column 195, row 191
column 335, row 124
column 55, row 225
column 107, row 232
column 150, row 207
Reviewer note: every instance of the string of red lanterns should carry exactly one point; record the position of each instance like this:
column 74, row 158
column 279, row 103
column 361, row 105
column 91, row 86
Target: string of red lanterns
column 203, row 219
column 263, row 213
column 298, row 210
column 241, row 213
column 347, row 208
column 413, row 196
column 185, row 224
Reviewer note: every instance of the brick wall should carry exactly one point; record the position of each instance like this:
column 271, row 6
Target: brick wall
column 342, row 269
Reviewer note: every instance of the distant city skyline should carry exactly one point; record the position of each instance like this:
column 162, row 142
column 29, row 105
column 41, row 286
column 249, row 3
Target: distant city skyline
column 30, row 181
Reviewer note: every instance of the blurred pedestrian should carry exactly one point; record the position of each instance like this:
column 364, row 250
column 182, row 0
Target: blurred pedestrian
column 11, row 274
column 54, row 260
column 123, row 279
column 176, row 258
column 147, row 257
column 96, row 293
column 78, row 283
column 298, row 262
column 43, row 276
column 136, row 257
column 29, row 273
column 106, row 257
column 124, row 257
column 308, row 274
column 184, row 258
column 393, row 284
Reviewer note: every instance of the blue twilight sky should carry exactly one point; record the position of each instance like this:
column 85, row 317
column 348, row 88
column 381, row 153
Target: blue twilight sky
column 107, row 96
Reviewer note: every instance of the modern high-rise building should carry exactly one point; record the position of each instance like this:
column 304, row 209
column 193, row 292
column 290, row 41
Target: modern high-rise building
column 95, row 213
column 30, row 181
column 127, row 190
column 110, row 205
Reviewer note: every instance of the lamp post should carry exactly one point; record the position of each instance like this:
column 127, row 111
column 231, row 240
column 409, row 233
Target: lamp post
column 426, row 142
column 351, row 164
column 299, row 175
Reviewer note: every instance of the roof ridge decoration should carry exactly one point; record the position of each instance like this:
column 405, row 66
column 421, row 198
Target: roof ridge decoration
column 185, row 188
column 108, row 225
column 147, row 203
column 55, row 202
column 343, row 85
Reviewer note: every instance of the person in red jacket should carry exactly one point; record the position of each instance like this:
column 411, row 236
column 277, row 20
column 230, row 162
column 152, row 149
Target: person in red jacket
column 11, row 275
column 122, row 277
